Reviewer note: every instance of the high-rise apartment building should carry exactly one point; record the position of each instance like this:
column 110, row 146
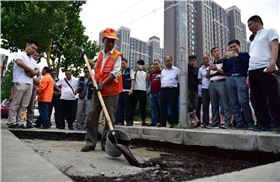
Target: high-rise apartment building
column 220, row 27
column 123, row 42
column 208, row 25
column 204, row 28
column 154, row 49
column 237, row 29
column 138, row 50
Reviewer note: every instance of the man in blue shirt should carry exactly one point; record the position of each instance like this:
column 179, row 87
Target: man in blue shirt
column 235, row 66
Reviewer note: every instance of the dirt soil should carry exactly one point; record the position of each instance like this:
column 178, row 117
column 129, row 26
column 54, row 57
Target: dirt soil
column 173, row 166
column 168, row 164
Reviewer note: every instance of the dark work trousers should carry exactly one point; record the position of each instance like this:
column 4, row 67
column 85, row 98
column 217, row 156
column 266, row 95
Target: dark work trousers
column 124, row 109
column 92, row 122
column 169, row 97
column 264, row 94
column 198, row 108
column 205, row 106
column 67, row 112
column 192, row 101
column 141, row 97
column 57, row 110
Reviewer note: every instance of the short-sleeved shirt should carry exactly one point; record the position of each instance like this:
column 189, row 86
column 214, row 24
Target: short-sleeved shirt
column 215, row 75
column 140, row 80
column 169, row 77
column 19, row 74
column 66, row 92
column 260, row 53
column 155, row 81
column 202, row 76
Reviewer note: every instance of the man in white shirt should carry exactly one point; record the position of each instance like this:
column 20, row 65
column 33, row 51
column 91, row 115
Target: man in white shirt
column 263, row 85
column 204, row 89
column 23, row 71
column 140, row 91
column 31, row 105
column 69, row 88
column 169, row 93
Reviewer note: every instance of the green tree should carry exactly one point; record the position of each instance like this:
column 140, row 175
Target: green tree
column 55, row 25
column 7, row 82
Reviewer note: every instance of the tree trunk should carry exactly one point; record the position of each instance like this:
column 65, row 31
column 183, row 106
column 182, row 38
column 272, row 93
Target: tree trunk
column 49, row 53
column 58, row 66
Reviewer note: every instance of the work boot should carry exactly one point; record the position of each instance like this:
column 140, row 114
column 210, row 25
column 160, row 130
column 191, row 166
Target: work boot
column 87, row 148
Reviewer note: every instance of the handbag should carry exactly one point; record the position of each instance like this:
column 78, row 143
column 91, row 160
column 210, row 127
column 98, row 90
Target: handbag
column 69, row 86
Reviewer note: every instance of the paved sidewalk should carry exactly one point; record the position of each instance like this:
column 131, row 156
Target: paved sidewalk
column 20, row 163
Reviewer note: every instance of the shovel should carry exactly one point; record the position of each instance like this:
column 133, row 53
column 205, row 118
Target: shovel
column 117, row 142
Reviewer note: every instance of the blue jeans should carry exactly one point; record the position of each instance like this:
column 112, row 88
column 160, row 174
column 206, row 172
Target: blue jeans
column 43, row 119
column 155, row 108
column 239, row 100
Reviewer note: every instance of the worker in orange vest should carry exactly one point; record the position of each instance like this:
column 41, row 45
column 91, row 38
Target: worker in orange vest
column 106, row 69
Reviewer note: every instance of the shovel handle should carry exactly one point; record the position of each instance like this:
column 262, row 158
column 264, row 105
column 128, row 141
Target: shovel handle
column 104, row 108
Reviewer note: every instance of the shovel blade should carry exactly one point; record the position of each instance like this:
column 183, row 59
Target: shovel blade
column 128, row 155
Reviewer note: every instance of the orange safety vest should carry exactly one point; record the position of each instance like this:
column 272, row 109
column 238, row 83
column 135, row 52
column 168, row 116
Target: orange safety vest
column 113, row 87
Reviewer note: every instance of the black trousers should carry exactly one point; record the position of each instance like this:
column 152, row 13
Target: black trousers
column 198, row 108
column 205, row 106
column 169, row 97
column 67, row 112
column 124, row 111
column 141, row 97
column 192, row 101
column 264, row 95
column 57, row 111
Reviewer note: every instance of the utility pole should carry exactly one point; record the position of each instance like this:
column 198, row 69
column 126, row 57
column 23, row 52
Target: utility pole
column 181, row 59
column 176, row 45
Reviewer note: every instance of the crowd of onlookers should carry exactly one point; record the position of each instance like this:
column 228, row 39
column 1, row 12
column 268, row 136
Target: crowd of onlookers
column 229, row 82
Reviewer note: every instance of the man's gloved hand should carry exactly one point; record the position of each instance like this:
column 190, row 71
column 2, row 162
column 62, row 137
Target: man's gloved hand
column 100, row 86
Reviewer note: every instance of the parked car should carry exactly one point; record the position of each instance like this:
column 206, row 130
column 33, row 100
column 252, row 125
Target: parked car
column 5, row 108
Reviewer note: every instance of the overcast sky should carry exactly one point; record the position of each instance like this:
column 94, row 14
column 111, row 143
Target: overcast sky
column 145, row 17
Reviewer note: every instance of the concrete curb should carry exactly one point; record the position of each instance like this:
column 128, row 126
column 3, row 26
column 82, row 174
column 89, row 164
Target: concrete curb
column 243, row 140
column 225, row 139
